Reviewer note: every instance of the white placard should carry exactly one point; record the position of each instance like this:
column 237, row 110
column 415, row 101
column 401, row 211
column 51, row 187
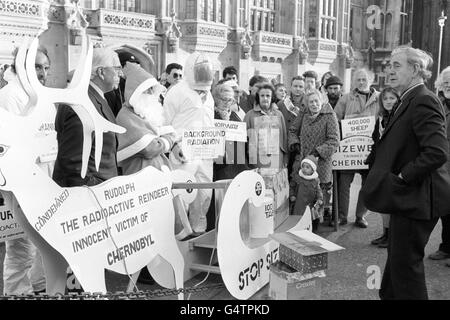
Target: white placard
column 355, row 145
column 261, row 219
column 234, row 130
column 9, row 227
column 203, row 143
column 358, row 127
column 352, row 153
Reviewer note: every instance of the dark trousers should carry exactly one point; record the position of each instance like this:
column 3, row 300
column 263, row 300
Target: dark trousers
column 404, row 273
column 445, row 245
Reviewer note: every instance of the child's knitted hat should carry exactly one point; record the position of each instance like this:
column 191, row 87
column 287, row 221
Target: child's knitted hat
column 312, row 161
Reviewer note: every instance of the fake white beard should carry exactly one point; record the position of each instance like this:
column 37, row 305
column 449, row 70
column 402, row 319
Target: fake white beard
column 148, row 107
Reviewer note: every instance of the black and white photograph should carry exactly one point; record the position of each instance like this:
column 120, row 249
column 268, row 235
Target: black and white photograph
column 224, row 156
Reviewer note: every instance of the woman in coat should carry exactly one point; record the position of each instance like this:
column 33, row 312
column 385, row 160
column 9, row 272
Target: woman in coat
column 267, row 134
column 319, row 136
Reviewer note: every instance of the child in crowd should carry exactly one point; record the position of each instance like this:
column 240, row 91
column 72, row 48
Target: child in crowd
column 389, row 99
column 305, row 190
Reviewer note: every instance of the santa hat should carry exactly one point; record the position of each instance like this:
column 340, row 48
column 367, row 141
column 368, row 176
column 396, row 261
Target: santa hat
column 312, row 161
column 137, row 81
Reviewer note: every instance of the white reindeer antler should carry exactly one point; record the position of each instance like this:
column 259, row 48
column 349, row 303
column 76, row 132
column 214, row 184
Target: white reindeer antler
column 75, row 95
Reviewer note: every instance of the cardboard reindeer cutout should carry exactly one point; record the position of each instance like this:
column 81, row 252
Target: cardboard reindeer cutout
column 122, row 224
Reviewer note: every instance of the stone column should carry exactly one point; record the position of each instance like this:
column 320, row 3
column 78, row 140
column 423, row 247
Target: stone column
column 56, row 40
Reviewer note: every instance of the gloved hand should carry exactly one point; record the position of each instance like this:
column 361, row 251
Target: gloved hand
column 292, row 198
column 315, row 153
column 295, row 148
column 318, row 204
column 178, row 153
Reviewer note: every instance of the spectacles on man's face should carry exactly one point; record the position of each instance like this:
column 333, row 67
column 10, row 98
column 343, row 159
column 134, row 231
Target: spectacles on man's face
column 177, row 75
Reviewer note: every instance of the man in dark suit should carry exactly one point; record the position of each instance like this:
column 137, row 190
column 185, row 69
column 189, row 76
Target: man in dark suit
column 409, row 179
column 106, row 70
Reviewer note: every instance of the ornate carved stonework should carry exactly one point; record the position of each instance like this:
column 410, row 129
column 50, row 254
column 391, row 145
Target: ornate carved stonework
column 213, row 32
column 190, row 29
column 57, row 14
column 173, row 33
column 327, row 47
column 124, row 21
column 204, row 36
column 276, row 40
column 122, row 26
column 21, row 8
column 301, row 45
column 349, row 56
column 274, row 46
column 246, row 42
column 23, row 17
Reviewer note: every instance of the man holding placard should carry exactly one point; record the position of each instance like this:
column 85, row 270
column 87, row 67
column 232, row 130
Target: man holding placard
column 361, row 102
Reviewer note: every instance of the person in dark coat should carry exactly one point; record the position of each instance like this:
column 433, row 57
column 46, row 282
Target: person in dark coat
column 305, row 190
column 106, row 70
column 293, row 107
column 443, row 86
column 247, row 100
column 333, row 90
column 318, row 136
column 389, row 97
column 409, row 178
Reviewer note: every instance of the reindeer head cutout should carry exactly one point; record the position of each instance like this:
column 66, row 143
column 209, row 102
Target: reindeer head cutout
column 18, row 133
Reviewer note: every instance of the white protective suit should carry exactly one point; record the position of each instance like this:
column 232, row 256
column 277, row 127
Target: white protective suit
column 184, row 108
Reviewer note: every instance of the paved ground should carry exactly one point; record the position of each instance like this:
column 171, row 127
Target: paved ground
column 347, row 273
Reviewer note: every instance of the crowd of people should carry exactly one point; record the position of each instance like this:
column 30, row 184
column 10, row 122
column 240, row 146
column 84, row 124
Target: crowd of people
column 293, row 127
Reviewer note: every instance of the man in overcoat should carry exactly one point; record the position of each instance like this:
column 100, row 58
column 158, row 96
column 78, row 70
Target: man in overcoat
column 408, row 179
column 106, row 70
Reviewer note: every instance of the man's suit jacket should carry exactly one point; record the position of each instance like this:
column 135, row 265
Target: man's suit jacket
column 415, row 144
column 70, row 145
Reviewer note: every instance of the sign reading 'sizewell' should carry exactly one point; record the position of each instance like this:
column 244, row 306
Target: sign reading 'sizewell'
column 355, row 145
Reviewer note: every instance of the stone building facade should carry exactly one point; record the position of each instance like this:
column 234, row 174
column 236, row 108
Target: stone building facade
column 376, row 28
column 426, row 34
column 275, row 38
